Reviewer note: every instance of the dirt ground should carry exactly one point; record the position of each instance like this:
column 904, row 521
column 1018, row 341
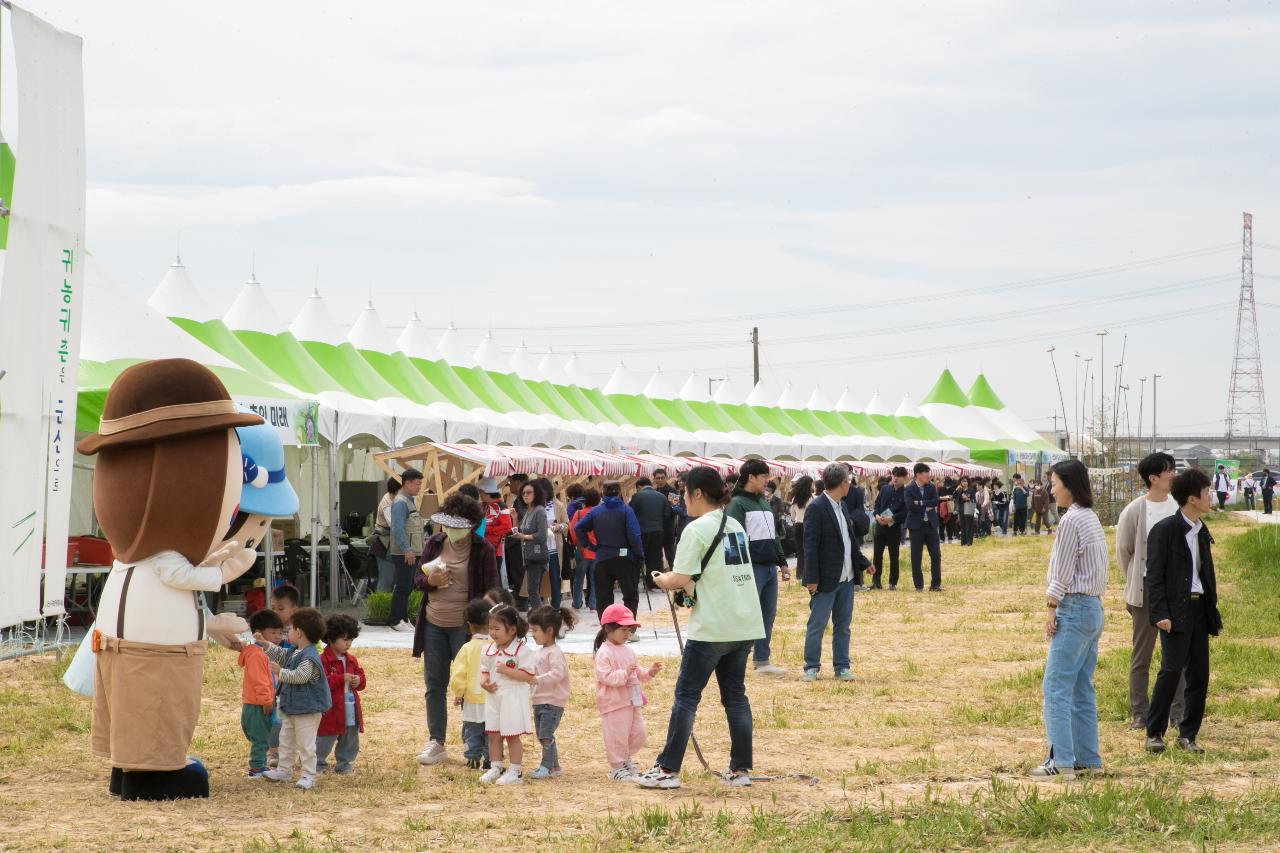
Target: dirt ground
column 946, row 698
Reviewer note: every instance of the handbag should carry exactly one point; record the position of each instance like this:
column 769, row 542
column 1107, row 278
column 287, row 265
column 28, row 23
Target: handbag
column 685, row 597
column 378, row 544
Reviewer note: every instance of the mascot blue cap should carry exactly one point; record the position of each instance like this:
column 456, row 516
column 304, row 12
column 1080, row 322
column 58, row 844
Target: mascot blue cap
column 266, row 491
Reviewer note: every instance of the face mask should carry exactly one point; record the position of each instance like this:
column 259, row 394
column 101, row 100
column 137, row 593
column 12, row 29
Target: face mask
column 456, row 534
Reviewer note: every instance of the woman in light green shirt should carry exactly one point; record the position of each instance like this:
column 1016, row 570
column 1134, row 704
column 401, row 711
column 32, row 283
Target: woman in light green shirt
column 712, row 561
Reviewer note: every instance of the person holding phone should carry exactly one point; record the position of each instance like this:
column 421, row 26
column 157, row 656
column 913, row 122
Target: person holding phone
column 1077, row 578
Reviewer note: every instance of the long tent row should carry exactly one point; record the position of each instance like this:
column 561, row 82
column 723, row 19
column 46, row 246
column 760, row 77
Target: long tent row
column 418, row 388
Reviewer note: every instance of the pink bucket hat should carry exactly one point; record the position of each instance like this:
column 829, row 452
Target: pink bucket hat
column 619, row 614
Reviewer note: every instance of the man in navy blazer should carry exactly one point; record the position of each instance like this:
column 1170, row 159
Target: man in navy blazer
column 830, row 555
column 921, row 497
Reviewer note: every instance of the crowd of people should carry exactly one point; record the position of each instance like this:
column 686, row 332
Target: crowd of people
column 493, row 578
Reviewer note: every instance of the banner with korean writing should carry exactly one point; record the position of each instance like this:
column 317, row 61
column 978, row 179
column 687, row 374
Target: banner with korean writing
column 295, row 421
column 40, row 317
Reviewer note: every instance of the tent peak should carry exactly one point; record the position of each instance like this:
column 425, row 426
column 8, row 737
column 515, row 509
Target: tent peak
column 177, row 296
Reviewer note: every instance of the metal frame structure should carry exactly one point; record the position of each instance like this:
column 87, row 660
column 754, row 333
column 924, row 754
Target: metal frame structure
column 1246, row 401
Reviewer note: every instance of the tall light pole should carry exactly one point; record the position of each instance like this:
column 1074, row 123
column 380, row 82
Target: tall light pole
column 1102, row 402
column 1084, row 396
column 1075, row 402
column 1155, row 377
column 1142, row 393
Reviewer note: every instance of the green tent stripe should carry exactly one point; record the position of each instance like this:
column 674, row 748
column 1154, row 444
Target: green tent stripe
column 560, row 407
column 353, row 373
column 479, row 384
column 516, row 390
column 982, row 394
column 400, row 373
column 8, row 167
column 744, row 414
column 805, row 421
column 288, row 360
column 890, row 425
column 215, row 335
column 946, row 391
column 637, row 411
column 713, row 416
column 675, row 415
column 573, row 395
column 442, row 377
column 602, row 403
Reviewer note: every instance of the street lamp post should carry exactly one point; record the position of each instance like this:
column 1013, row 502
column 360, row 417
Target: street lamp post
column 1155, row 377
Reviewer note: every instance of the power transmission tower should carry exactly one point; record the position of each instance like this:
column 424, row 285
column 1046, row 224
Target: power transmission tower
column 1246, row 401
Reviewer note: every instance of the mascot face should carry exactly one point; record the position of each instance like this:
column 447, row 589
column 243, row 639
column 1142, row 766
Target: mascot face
column 264, row 491
column 174, row 495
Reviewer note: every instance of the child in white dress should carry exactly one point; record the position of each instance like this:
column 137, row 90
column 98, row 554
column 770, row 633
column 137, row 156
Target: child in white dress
column 506, row 670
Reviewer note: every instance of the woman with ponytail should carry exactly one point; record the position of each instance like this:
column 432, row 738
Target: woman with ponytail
column 713, row 563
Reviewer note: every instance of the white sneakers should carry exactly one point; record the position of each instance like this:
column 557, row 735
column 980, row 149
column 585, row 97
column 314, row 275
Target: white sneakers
column 626, row 773
column 658, row 778
column 498, row 775
column 306, row 782
column 768, row 668
column 510, row 776
column 401, row 626
column 277, row 774
column 432, row 754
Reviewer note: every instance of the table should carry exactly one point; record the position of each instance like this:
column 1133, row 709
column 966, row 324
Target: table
column 94, row 577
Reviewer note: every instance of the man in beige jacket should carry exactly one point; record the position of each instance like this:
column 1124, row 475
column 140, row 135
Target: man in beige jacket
column 1132, row 529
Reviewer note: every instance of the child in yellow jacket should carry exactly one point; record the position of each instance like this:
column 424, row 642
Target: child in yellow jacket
column 464, row 685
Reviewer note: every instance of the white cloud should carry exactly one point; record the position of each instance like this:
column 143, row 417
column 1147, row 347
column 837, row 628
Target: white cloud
column 674, row 124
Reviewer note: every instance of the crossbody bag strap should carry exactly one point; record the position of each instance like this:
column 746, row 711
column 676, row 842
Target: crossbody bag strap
column 715, row 540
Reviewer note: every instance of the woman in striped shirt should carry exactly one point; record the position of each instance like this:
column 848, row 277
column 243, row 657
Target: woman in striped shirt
column 1077, row 579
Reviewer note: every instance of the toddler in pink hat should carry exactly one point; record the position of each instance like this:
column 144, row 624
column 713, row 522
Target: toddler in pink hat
column 618, row 695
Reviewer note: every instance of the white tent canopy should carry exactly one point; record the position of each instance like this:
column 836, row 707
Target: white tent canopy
column 176, row 296
column 451, row 350
column 315, row 323
column 488, row 356
column 252, row 311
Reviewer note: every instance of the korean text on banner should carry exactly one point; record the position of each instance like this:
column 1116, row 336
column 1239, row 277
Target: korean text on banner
column 40, row 316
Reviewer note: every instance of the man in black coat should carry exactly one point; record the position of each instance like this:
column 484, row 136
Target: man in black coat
column 890, row 512
column 1268, row 489
column 653, row 511
column 1182, row 593
column 921, row 497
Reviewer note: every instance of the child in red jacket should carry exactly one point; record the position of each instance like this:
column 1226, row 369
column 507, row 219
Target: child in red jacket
column 343, row 722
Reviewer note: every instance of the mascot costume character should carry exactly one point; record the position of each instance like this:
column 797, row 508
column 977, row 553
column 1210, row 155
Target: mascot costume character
column 166, row 489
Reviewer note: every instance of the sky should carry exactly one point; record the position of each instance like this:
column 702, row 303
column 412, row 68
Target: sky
column 884, row 190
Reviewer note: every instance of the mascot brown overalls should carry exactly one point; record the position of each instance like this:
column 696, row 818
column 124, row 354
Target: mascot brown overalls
column 165, row 491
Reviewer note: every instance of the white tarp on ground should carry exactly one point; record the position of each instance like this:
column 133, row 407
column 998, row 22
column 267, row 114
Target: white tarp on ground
column 41, row 312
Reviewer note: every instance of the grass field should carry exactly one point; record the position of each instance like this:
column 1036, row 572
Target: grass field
column 925, row 750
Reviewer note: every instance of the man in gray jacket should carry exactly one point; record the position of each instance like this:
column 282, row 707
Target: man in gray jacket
column 1132, row 529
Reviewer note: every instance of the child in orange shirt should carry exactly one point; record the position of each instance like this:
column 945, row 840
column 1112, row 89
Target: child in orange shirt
column 258, row 691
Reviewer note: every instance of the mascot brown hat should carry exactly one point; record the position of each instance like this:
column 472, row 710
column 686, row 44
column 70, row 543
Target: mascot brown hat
column 165, row 427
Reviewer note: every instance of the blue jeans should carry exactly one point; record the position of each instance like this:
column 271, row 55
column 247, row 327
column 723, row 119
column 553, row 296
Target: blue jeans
column 581, row 573
column 767, row 588
column 729, row 662
column 348, row 744
column 440, row 647
column 1070, row 710
column 546, row 719
column 475, row 743
column 403, row 584
column 1002, row 517
column 386, row 574
column 835, row 606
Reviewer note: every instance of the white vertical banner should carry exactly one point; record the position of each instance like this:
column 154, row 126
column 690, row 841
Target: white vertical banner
column 41, row 302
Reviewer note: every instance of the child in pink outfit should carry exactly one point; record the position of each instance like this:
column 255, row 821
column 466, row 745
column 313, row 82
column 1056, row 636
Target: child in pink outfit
column 618, row 695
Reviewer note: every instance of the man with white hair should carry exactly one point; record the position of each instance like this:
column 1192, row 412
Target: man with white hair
column 830, row 554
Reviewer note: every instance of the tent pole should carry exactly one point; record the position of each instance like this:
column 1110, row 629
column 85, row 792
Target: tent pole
column 334, row 553
column 315, row 519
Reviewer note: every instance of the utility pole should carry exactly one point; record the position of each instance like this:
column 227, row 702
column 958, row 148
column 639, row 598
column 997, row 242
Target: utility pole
column 755, row 355
column 1066, row 421
column 1155, row 377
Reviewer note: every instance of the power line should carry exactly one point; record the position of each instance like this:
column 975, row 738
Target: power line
column 896, row 302
column 988, row 344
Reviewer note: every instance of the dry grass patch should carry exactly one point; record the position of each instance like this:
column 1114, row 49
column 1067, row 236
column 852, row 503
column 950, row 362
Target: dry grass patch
column 924, row 750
